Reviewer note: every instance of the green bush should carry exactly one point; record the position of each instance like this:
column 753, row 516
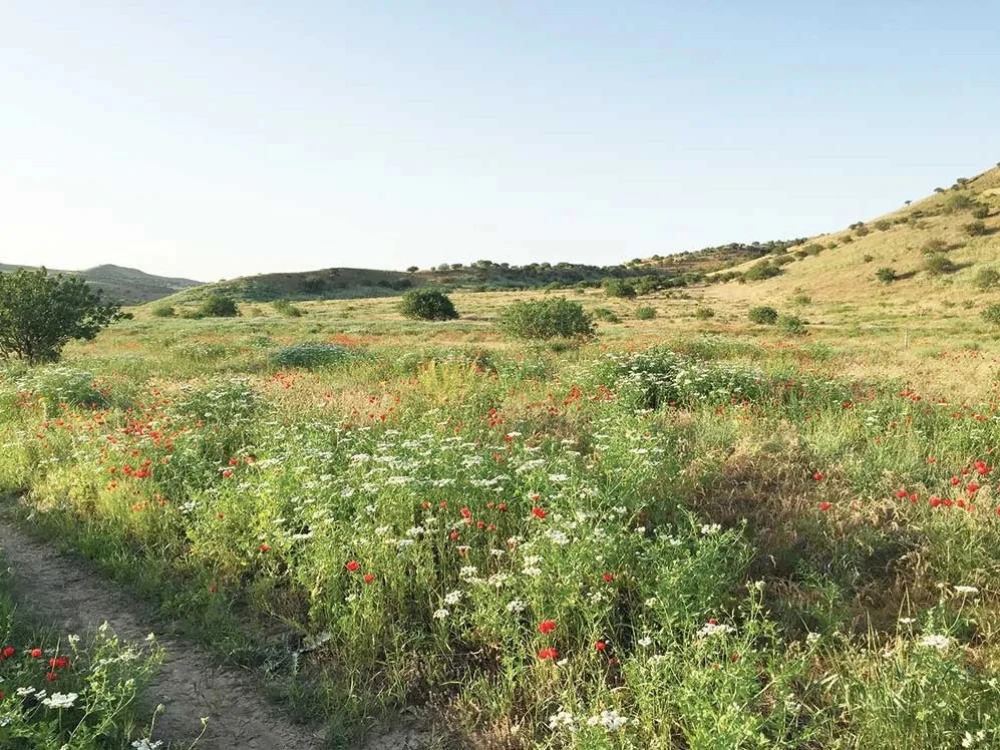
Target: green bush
column 976, row 229
column 606, row 315
column 704, row 313
column 867, row 258
column 801, row 299
column 992, row 314
column 813, row 248
column 862, row 231
column 763, row 315
column 427, row 304
column 981, row 211
column 284, row 307
column 935, row 245
column 886, row 274
column 959, row 202
column 883, row 224
column 310, row 356
column 218, row 305
column 619, row 288
column 546, row 319
column 763, row 270
column 939, row 264
column 987, row 278
column 162, row 311
column 791, row 324
column 645, row 313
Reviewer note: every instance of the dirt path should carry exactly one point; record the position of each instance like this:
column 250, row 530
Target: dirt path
column 67, row 593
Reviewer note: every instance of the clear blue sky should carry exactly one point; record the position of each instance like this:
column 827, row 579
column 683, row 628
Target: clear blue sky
column 215, row 139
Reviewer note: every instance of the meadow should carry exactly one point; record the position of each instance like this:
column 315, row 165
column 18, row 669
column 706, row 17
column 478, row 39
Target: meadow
column 691, row 532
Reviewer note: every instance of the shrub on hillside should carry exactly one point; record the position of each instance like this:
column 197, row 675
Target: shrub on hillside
column 619, row 288
column 791, row 324
column 704, row 313
column 763, row 270
column 813, row 248
column 992, row 314
column 218, row 305
column 546, row 319
column 886, row 274
column 935, row 245
column 607, row 316
column 959, row 202
column 645, row 313
column 987, row 278
column 862, row 231
column 284, row 307
column 310, row 356
column 427, row 304
column 939, row 264
column 981, row 211
column 162, row 311
column 976, row 229
column 763, row 315
column 867, row 258
column 883, row 224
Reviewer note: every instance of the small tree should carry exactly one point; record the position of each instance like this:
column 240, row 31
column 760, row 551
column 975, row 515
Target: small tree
column 412, row 269
column 619, row 288
column 40, row 314
column 886, row 274
column 218, row 305
column 552, row 318
column 763, row 315
column 427, row 304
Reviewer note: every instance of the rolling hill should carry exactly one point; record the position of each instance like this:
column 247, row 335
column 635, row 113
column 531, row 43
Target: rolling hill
column 125, row 285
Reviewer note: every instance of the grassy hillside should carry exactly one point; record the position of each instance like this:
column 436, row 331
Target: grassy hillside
column 126, row 285
column 935, row 251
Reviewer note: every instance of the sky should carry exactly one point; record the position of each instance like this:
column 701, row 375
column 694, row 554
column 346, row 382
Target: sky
column 220, row 139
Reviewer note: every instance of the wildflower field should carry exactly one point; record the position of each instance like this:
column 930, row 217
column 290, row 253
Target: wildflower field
column 689, row 533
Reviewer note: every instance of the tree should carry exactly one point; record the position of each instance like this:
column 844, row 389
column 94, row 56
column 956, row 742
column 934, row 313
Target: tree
column 412, row 269
column 40, row 314
column 427, row 304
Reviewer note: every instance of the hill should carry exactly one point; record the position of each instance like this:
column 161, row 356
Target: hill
column 125, row 285
column 939, row 250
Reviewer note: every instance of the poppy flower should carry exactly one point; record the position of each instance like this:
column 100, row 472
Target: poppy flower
column 818, row 476
column 265, row 547
column 546, row 626
column 368, row 578
column 600, row 646
column 352, row 566
column 8, row 652
column 51, row 677
column 608, row 578
column 824, row 506
column 538, row 512
column 59, row 662
column 548, row 653
column 35, row 653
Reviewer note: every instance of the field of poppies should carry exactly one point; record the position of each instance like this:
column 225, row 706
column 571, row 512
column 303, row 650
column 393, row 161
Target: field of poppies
column 698, row 536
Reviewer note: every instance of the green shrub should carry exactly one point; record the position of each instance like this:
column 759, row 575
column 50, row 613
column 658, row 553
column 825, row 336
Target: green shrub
column 606, row 315
column 218, row 305
column 886, row 274
column 309, row 356
column 862, row 231
column 645, row 313
column 546, row 319
column 763, row 270
column 427, row 304
column 935, row 245
column 791, row 324
column 959, row 202
column 992, row 314
column 704, row 313
column 162, row 311
column 976, row 229
column 867, row 258
column 801, row 299
column 813, row 248
column 763, row 315
column 981, row 211
column 883, row 224
column 619, row 288
column 284, row 307
column 987, row 278
column 939, row 264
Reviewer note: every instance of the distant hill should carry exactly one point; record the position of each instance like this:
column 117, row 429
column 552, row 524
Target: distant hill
column 938, row 250
column 127, row 286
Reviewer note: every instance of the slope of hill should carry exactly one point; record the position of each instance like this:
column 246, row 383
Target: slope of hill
column 125, row 285
column 937, row 250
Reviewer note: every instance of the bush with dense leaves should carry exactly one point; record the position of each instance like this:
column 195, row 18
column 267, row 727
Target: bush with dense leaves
column 992, row 314
column 427, row 304
column 939, row 264
column 309, row 356
column 987, row 278
column 286, row 308
column 163, row 311
column 763, row 270
column 886, row 274
column 546, row 319
column 976, row 229
column 218, row 305
column 791, row 324
column 645, row 313
column 763, row 315
column 619, row 288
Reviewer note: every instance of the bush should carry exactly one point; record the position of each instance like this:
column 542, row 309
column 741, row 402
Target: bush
column 959, row 202
column 218, row 305
column 867, row 258
column 313, row 356
column 981, row 211
column 619, row 288
column 284, row 307
column 801, row 299
column 939, row 264
column 936, row 245
column 992, row 314
column 862, row 231
column 791, row 324
column 886, row 274
column 546, row 319
column 813, row 248
column 40, row 314
column 427, row 304
column 987, row 278
column 704, row 313
column 645, row 313
column 606, row 315
column 163, row 311
column 883, row 224
column 762, row 270
column 976, row 229
column 763, row 315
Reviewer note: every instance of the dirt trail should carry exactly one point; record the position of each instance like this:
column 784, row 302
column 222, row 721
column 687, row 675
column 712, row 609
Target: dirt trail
column 67, row 593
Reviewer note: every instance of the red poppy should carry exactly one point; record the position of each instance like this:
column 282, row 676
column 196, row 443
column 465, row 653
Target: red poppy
column 600, row 646
column 824, row 506
column 548, row 653
column 818, row 476
column 35, row 653
column 546, row 626
column 8, row 652
column 538, row 512
column 352, row 566
column 901, row 494
column 51, row 677
column 368, row 578
column 59, row 662
column 608, row 578
column 265, row 547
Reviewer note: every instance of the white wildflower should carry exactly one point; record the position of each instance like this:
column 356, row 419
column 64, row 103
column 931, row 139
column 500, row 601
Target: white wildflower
column 610, row 720
column 60, row 700
column 645, row 641
column 940, row 642
column 453, row 597
column 516, row 605
column 441, row 614
column 966, row 590
column 713, row 628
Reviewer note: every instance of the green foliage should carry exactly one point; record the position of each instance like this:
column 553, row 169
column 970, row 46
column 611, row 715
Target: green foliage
column 991, row 314
column 976, row 229
column 883, row 224
column 704, row 313
column 867, row 258
column 218, row 305
column 986, row 278
column 763, row 270
column 607, row 316
column 862, row 231
column 40, row 314
column 314, row 356
column 162, row 310
column 801, row 299
column 934, row 245
column 619, row 288
column 980, row 211
column 813, row 248
column 427, row 304
column 286, row 308
column 958, row 202
column 791, row 324
column 886, row 274
column 546, row 319
column 763, row 315
column 645, row 312
column 939, row 264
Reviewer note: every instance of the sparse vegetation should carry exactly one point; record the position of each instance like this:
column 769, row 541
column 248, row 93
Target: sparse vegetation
column 987, row 278
column 162, row 310
column 791, row 324
column 704, row 313
column 645, row 312
column 286, row 308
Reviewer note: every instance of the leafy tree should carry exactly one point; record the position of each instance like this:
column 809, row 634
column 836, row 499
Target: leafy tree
column 427, row 304
column 412, row 269
column 619, row 288
column 552, row 318
column 40, row 314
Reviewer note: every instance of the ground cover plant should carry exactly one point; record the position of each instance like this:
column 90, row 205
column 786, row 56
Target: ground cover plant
column 658, row 538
